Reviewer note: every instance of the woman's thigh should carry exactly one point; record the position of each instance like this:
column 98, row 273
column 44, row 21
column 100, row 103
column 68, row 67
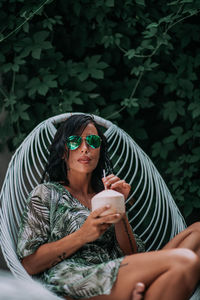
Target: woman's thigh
column 143, row 267
column 188, row 238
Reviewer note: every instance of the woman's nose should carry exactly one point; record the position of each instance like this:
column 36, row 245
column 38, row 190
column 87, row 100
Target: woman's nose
column 84, row 146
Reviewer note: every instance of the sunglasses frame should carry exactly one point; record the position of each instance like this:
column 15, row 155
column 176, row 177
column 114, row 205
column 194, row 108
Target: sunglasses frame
column 81, row 139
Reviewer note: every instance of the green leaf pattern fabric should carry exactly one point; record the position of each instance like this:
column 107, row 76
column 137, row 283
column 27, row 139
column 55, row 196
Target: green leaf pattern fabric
column 51, row 214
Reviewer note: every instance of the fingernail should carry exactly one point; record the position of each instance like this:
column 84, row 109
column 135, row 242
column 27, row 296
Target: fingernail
column 117, row 215
column 108, row 205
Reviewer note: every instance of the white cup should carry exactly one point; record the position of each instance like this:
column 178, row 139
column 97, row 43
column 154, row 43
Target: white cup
column 111, row 197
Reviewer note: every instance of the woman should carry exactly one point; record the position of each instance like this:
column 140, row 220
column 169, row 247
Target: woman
column 78, row 253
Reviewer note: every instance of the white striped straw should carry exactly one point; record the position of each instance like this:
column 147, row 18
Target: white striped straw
column 104, row 175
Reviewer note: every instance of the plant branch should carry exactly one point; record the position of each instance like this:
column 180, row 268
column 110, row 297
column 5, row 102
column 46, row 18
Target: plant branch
column 131, row 96
column 180, row 20
column 164, row 33
column 13, row 83
column 136, row 85
column 24, row 22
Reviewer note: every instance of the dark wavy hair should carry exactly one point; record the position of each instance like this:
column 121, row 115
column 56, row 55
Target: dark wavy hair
column 56, row 167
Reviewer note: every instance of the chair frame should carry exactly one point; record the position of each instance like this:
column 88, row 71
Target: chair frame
column 154, row 203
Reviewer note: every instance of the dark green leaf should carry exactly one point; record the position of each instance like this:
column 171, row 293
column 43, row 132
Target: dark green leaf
column 98, row 74
column 177, row 131
column 36, row 53
column 110, row 3
column 140, row 2
column 42, row 89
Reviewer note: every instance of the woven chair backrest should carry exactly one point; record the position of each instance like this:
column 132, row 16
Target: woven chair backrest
column 151, row 209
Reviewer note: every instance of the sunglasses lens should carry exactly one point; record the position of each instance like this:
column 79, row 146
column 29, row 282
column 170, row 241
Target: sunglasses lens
column 73, row 142
column 93, row 141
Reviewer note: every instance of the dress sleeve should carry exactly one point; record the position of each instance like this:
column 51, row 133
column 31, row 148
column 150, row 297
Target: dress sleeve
column 140, row 243
column 35, row 225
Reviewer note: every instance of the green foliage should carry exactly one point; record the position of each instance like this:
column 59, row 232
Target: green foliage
column 131, row 61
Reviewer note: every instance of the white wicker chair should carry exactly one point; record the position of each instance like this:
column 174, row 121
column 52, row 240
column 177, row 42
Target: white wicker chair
column 153, row 214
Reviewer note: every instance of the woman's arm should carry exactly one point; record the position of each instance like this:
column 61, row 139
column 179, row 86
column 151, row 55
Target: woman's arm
column 123, row 229
column 50, row 254
column 125, row 236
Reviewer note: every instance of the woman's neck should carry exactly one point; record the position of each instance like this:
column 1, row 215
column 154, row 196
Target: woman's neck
column 80, row 183
column 80, row 188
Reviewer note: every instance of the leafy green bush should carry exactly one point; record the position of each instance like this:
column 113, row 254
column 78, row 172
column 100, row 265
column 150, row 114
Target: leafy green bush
column 133, row 61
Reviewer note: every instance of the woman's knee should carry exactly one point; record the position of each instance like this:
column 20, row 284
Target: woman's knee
column 185, row 259
column 195, row 227
column 187, row 267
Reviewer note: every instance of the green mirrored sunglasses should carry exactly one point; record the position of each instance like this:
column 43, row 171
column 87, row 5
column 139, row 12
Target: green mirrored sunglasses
column 74, row 141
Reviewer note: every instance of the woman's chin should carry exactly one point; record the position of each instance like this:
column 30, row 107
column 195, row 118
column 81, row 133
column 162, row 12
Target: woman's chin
column 84, row 168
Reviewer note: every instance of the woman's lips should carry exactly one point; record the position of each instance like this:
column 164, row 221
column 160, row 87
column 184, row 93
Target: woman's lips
column 84, row 160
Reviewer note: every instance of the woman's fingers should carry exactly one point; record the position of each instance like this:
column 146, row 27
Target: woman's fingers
column 113, row 181
column 120, row 183
column 138, row 291
column 95, row 225
column 109, row 218
column 99, row 220
column 109, row 180
column 97, row 212
column 104, row 227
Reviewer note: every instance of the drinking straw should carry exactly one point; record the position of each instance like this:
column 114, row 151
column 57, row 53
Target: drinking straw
column 104, row 175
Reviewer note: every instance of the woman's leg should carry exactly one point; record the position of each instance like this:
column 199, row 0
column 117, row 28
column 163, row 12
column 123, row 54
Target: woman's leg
column 148, row 269
column 189, row 238
column 166, row 274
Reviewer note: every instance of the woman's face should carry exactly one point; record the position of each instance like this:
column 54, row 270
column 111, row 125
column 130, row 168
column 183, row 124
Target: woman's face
column 84, row 159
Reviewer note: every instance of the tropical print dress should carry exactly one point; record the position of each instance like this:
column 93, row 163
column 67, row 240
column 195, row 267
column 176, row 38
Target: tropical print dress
column 51, row 214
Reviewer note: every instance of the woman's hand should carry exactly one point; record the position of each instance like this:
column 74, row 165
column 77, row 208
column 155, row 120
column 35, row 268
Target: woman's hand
column 115, row 183
column 95, row 225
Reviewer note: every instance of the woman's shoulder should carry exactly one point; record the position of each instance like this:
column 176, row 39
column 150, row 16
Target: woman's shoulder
column 51, row 192
column 47, row 186
column 43, row 191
